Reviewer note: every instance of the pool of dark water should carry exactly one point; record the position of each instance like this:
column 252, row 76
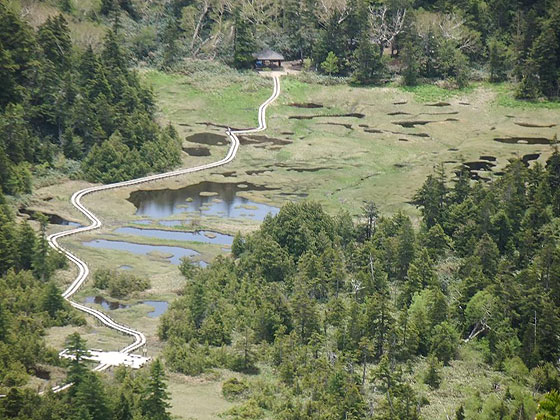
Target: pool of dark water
column 205, row 198
column 174, row 235
column 143, row 249
column 524, row 140
column 106, row 304
column 209, row 139
column 53, row 218
column 197, row 151
column 159, row 306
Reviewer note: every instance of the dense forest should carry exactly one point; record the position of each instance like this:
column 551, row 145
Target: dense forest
column 320, row 300
column 370, row 41
column 86, row 105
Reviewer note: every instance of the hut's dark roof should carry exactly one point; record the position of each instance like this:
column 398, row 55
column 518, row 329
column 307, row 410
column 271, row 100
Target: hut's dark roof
column 268, row 55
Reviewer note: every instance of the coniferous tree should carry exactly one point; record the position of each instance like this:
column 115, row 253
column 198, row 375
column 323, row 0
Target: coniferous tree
column 54, row 39
column 76, row 346
column 330, row 65
column 367, row 64
column 411, row 63
column 432, row 376
column 546, row 56
column 497, row 57
column 123, row 410
column 244, row 43
column 52, row 301
column 90, row 397
column 41, row 263
column 156, row 400
column 17, row 41
column 432, row 198
column 26, row 246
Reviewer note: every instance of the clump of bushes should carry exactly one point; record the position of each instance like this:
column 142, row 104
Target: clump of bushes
column 234, row 389
column 119, row 284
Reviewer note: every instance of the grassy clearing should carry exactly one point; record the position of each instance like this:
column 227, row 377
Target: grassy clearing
column 186, row 98
column 199, row 398
column 432, row 93
column 506, row 98
column 465, row 377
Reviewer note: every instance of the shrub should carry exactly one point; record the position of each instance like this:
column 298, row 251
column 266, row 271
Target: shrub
column 119, row 284
column 234, row 389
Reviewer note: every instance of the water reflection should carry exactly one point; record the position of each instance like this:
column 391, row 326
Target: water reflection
column 197, row 236
column 176, row 252
column 159, row 307
column 106, row 304
column 171, row 223
column 217, row 199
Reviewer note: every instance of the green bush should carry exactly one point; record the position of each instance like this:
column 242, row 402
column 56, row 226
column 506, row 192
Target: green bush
column 119, row 284
column 234, row 389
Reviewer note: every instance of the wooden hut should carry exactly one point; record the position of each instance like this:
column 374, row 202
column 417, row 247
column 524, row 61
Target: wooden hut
column 268, row 58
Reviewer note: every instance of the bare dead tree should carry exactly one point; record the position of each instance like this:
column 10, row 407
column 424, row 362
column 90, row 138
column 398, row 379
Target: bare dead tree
column 204, row 7
column 259, row 12
column 481, row 326
column 449, row 26
column 327, row 9
column 453, row 27
column 386, row 26
column 206, row 26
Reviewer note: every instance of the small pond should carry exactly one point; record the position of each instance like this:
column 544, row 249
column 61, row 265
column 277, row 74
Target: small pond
column 160, row 307
column 142, row 249
column 174, row 235
column 209, row 139
column 106, row 304
column 205, row 198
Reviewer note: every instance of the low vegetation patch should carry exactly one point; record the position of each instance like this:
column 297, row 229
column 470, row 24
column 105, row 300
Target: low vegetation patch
column 234, row 389
column 119, row 284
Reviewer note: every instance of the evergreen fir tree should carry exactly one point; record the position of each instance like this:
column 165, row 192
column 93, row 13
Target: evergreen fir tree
column 76, row 346
column 156, row 400
column 244, row 43
column 433, row 376
column 52, row 301
column 41, row 266
column 367, row 64
column 26, row 246
column 497, row 57
column 330, row 65
column 411, row 63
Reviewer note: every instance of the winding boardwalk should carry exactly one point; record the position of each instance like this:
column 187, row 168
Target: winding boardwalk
column 83, row 269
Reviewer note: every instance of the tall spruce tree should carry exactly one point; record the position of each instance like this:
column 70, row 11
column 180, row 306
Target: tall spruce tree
column 244, row 43
column 156, row 400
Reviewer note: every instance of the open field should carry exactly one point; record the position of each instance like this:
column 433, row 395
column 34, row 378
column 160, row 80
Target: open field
column 382, row 152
